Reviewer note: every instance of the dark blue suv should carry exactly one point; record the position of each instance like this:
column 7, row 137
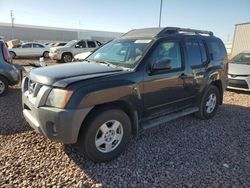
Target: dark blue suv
column 9, row 74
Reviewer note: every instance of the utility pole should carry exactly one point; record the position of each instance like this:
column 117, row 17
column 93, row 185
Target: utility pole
column 12, row 23
column 160, row 14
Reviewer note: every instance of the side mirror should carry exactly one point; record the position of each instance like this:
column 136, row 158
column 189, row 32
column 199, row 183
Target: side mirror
column 163, row 64
column 77, row 46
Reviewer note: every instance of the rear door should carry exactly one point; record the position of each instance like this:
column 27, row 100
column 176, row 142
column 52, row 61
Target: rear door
column 38, row 49
column 91, row 45
column 197, row 61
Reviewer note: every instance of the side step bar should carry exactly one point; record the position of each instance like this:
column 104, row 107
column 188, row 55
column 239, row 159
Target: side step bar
column 163, row 119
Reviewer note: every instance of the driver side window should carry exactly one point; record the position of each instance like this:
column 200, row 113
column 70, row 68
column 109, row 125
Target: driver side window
column 81, row 44
column 167, row 50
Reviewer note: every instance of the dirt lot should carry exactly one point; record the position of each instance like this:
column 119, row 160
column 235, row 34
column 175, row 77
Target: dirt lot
column 184, row 153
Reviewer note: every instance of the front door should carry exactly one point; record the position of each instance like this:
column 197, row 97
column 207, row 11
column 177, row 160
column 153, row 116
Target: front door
column 166, row 90
column 80, row 47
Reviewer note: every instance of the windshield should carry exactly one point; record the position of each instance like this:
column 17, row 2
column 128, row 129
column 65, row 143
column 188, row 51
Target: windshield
column 243, row 58
column 71, row 43
column 125, row 52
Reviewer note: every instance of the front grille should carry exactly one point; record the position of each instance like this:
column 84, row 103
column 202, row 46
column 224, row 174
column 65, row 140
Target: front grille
column 237, row 75
column 238, row 83
column 33, row 88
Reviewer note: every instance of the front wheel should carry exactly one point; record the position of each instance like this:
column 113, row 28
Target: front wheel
column 105, row 135
column 12, row 54
column 66, row 57
column 46, row 54
column 3, row 86
column 209, row 103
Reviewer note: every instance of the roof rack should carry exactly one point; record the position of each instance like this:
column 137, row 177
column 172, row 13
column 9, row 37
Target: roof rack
column 175, row 30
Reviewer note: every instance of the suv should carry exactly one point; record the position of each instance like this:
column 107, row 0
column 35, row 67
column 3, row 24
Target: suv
column 67, row 52
column 143, row 79
column 9, row 75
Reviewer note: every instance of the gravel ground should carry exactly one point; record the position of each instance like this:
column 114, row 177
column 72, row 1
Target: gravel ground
column 184, row 153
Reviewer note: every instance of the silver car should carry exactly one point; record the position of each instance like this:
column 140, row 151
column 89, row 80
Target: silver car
column 239, row 72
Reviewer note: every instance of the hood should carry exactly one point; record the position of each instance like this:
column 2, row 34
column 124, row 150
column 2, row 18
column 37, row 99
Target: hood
column 82, row 55
column 62, row 48
column 65, row 74
column 238, row 69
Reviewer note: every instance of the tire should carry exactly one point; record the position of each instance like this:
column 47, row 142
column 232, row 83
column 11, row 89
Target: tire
column 209, row 103
column 46, row 54
column 66, row 57
column 3, row 86
column 105, row 135
column 12, row 54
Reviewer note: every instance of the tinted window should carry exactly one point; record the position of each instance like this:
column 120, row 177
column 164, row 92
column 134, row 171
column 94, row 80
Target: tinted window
column 35, row 45
column 203, row 52
column 193, row 51
column 167, row 50
column 27, row 46
column 216, row 47
column 81, row 44
column 91, row 44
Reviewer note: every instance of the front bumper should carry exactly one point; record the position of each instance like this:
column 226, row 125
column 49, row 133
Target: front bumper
column 54, row 56
column 62, row 125
column 239, row 82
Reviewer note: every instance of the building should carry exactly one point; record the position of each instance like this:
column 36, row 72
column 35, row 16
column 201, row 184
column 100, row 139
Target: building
column 241, row 41
column 52, row 34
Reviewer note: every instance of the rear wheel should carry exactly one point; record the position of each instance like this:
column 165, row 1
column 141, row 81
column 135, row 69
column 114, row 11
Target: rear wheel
column 209, row 103
column 105, row 135
column 3, row 86
column 66, row 57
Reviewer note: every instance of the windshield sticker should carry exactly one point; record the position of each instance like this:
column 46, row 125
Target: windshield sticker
column 142, row 41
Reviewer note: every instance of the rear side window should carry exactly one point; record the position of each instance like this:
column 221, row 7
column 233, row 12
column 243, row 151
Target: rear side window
column 216, row 47
column 91, row 44
column 27, row 45
column 194, row 54
column 35, row 45
column 203, row 52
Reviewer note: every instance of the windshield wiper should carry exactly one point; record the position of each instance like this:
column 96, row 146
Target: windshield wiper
column 105, row 62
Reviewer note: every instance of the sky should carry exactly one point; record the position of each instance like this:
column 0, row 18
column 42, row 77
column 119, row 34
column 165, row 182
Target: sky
column 219, row 16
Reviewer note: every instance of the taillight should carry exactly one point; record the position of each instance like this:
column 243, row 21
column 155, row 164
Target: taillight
column 6, row 55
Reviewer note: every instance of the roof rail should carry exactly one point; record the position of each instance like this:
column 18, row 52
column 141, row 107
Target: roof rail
column 174, row 30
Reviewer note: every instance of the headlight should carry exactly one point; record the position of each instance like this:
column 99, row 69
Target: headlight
column 56, row 51
column 58, row 98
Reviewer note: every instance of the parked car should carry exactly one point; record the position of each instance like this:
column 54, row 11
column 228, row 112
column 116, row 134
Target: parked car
column 145, row 78
column 81, row 56
column 30, row 49
column 9, row 75
column 239, row 72
column 67, row 52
